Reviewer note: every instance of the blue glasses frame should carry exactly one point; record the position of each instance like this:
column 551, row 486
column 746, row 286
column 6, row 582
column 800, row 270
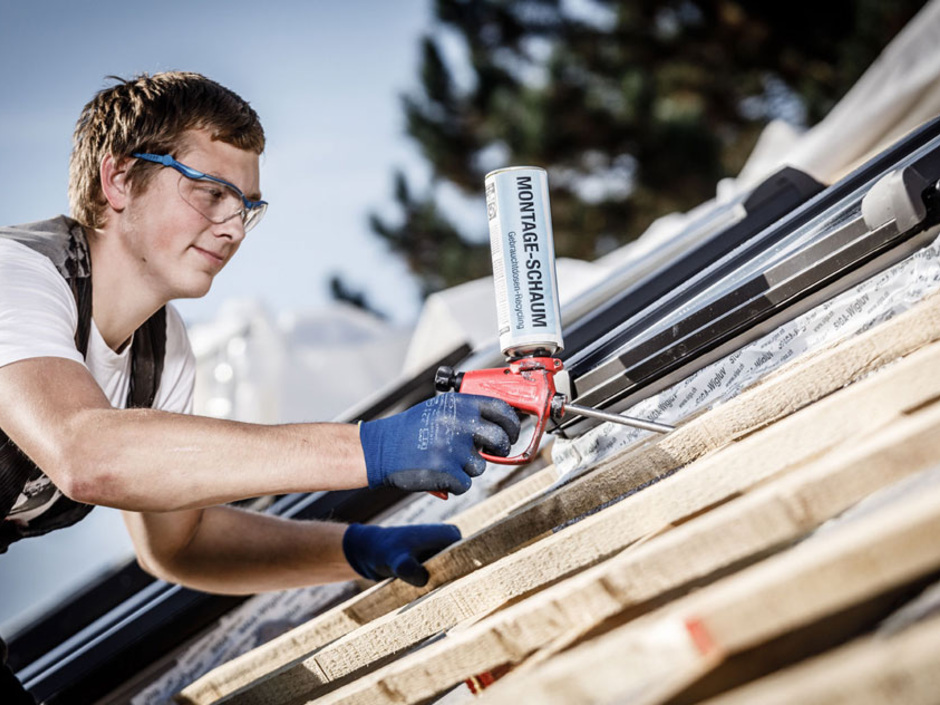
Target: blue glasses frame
column 253, row 210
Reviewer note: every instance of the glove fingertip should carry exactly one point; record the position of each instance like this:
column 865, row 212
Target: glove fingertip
column 474, row 466
column 514, row 431
column 464, row 484
column 418, row 579
column 450, row 533
column 505, row 416
column 411, row 572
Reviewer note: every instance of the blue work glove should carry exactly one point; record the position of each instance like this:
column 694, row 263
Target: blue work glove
column 377, row 552
column 434, row 445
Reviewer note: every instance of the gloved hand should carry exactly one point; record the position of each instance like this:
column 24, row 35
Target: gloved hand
column 434, row 445
column 377, row 552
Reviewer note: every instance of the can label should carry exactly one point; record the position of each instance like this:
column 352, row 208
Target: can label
column 523, row 251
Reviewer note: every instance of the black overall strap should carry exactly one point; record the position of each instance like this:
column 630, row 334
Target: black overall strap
column 147, row 356
column 13, row 479
column 17, row 468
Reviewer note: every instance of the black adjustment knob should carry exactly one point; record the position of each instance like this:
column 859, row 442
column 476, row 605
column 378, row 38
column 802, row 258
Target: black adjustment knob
column 445, row 379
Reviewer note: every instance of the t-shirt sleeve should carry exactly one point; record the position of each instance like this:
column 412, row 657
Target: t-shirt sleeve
column 38, row 317
column 179, row 368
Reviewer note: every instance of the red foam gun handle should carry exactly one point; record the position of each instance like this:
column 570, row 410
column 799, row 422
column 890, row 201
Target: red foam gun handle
column 528, row 385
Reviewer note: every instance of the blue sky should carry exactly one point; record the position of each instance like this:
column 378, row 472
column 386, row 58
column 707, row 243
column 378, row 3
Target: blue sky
column 325, row 77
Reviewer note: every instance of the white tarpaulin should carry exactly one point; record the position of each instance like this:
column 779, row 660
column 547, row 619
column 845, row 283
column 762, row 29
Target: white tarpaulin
column 299, row 366
column 467, row 313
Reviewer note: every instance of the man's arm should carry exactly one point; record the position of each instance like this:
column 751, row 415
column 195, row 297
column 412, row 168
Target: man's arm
column 154, row 461
column 167, row 470
column 233, row 551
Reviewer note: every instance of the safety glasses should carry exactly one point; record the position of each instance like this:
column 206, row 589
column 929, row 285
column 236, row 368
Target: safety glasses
column 216, row 199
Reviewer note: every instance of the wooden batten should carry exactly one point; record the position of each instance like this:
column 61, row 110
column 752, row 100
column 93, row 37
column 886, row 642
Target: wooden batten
column 903, row 669
column 765, row 520
column 483, row 515
column 848, row 415
column 666, row 652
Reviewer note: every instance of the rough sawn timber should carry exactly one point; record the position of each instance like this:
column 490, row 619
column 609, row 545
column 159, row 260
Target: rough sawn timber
column 768, row 518
column 850, row 413
column 798, row 384
column 903, row 669
column 660, row 655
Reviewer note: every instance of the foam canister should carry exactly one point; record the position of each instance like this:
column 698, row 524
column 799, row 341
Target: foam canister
column 523, row 251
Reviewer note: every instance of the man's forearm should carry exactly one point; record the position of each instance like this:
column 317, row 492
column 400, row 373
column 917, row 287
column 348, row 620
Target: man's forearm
column 233, row 551
column 144, row 460
column 156, row 461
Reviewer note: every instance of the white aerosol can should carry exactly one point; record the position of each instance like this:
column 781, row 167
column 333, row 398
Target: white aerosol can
column 523, row 251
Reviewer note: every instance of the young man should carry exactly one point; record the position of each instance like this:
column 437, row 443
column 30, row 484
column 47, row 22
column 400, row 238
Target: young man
column 164, row 185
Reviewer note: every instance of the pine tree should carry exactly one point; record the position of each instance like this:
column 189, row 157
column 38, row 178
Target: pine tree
column 636, row 108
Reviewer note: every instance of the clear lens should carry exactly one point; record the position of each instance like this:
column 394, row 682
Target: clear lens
column 219, row 202
column 253, row 217
column 214, row 200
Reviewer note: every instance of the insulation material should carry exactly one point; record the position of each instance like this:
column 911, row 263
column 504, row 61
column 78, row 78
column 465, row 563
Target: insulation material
column 256, row 622
column 865, row 305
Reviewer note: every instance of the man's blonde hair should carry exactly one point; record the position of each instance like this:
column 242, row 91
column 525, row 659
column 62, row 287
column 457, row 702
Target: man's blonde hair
column 151, row 114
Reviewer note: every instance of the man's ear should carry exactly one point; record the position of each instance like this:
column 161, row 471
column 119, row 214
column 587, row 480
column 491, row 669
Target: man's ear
column 115, row 186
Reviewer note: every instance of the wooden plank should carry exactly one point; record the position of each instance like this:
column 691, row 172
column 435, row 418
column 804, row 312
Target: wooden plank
column 849, row 414
column 766, row 519
column 498, row 506
column 793, row 387
column 901, row 670
column 660, row 655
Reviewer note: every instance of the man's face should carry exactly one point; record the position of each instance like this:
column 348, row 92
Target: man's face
column 177, row 250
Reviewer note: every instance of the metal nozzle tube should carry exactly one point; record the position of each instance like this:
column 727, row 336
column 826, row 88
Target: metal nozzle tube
column 618, row 418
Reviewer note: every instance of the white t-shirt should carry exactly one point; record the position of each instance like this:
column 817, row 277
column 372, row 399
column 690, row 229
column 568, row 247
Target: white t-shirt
column 38, row 318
